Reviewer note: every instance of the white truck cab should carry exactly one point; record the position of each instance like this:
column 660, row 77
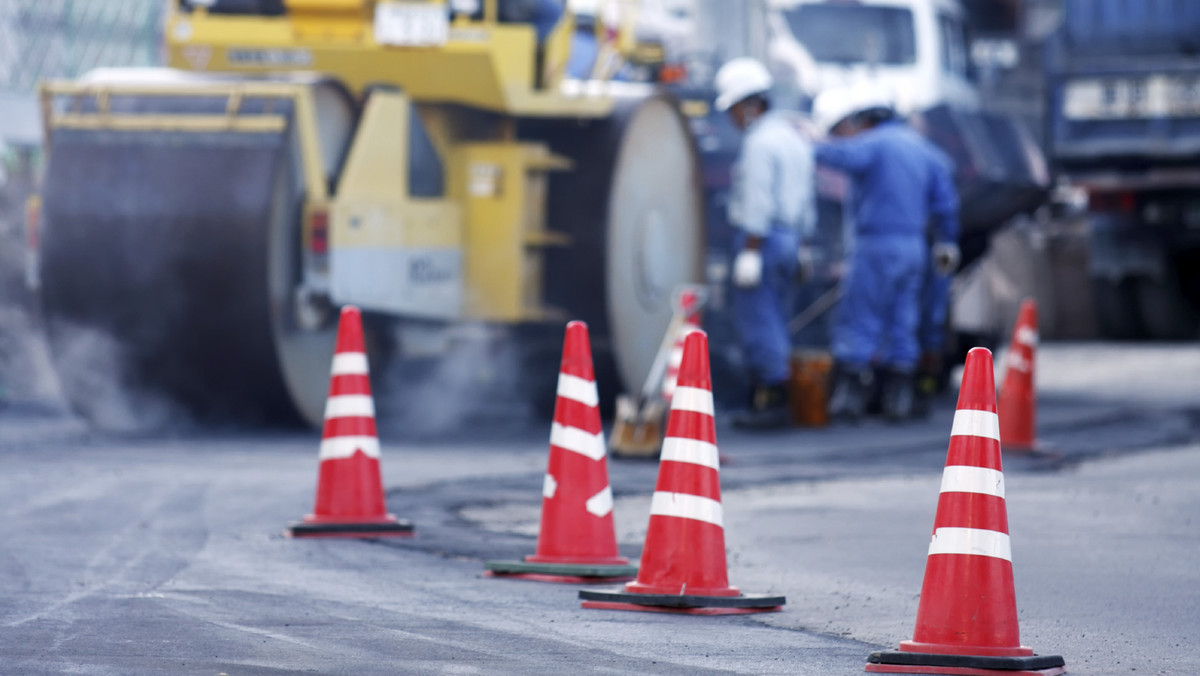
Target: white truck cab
column 915, row 48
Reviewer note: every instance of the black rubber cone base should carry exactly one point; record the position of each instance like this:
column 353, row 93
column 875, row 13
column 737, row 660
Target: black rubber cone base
column 900, row 662
column 351, row 530
column 570, row 573
column 681, row 603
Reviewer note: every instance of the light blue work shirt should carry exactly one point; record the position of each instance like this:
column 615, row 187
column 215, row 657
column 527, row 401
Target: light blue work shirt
column 773, row 182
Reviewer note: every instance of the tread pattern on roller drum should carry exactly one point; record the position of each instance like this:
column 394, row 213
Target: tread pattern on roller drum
column 159, row 242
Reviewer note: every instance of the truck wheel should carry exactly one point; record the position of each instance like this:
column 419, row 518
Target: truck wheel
column 1116, row 309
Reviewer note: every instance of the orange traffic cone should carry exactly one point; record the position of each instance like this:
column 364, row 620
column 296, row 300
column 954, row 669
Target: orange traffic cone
column 689, row 306
column 683, row 561
column 350, row 499
column 967, row 616
column 1018, row 399
column 577, row 541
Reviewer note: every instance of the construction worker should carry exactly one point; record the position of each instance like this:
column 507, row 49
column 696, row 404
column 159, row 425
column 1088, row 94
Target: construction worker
column 584, row 47
column 772, row 211
column 900, row 182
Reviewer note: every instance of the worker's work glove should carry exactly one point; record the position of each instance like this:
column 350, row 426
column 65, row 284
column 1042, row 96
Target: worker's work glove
column 806, row 264
column 946, row 257
column 747, row 268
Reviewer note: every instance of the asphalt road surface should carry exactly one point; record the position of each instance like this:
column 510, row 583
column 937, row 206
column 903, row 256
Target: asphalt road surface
column 162, row 553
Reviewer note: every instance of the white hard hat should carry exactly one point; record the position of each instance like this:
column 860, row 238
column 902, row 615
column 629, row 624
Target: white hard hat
column 584, row 7
column 874, row 95
column 740, row 79
column 834, row 105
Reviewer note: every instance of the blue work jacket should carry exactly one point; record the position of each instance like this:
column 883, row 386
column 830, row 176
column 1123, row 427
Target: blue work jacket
column 902, row 182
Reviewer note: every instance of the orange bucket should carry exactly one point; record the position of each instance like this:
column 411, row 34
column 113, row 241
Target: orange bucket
column 809, row 387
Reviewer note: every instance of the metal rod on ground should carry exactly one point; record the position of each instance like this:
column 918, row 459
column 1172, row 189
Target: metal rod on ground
column 818, row 308
column 638, row 420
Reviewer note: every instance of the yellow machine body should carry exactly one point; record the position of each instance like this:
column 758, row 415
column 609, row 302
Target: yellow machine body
column 482, row 64
column 476, row 251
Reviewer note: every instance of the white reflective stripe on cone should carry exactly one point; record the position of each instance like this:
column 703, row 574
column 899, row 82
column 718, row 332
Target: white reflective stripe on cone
column 968, row 479
column 676, row 357
column 687, row 506
column 601, row 503
column 336, row 448
column 1027, row 336
column 669, row 384
column 971, row 423
column 972, row 541
column 577, row 389
column 1018, row 363
column 350, row 406
column 690, row 450
column 549, row 486
column 577, row 441
column 695, row 399
column 350, row 364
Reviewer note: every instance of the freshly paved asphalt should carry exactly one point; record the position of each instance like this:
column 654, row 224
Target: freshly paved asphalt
column 163, row 553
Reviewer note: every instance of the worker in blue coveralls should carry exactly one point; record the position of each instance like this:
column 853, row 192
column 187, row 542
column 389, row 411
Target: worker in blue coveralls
column 772, row 210
column 901, row 183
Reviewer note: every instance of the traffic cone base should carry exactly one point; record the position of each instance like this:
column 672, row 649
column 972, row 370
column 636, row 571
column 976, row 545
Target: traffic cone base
column 905, row 662
column 577, row 540
column 313, row 527
column 981, row 651
column 606, row 605
column 577, row 560
column 688, row 604
column 566, row 573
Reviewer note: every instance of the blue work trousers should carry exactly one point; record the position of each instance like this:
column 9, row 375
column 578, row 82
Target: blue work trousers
column 760, row 312
column 879, row 312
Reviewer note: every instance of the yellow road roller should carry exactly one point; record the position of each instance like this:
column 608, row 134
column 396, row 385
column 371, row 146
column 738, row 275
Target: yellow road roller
column 427, row 161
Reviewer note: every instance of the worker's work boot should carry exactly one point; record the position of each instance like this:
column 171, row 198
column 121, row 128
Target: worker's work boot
column 768, row 410
column 898, row 395
column 927, row 383
column 848, row 398
column 924, row 389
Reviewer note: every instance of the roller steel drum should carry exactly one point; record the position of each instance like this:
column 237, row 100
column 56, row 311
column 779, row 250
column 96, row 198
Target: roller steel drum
column 168, row 264
column 633, row 206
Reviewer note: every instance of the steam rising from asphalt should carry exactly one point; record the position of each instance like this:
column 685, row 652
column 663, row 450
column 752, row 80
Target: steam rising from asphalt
column 473, row 381
column 461, row 381
column 90, row 364
column 25, row 369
